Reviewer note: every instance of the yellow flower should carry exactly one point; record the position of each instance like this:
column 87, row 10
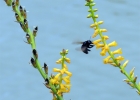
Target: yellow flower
column 114, row 43
column 97, row 41
column 68, row 73
column 56, row 70
column 66, row 79
column 95, row 16
column 100, row 22
column 132, row 72
column 106, row 48
column 125, row 64
column 59, row 61
column 120, row 58
column 62, row 88
column 68, row 87
column 103, row 52
column 110, row 61
column 63, row 71
column 56, row 77
column 103, row 30
column 67, row 60
column 65, row 66
column 59, row 92
column 95, row 33
column 105, row 37
column 99, row 45
column 113, row 64
column 119, row 51
column 106, row 59
column 94, row 25
column 54, row 81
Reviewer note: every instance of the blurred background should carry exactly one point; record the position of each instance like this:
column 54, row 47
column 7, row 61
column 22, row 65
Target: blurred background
column 61, row 22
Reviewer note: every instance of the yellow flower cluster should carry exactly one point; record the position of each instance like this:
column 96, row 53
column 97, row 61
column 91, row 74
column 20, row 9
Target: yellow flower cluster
column 62, row 79
column 105, row 48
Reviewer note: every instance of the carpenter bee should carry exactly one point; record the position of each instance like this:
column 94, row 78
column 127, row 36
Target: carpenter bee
column 86, row 45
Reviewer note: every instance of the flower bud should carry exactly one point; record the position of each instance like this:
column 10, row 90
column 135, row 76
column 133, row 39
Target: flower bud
column 67, row 60
column 114, row 43
column 8, row 2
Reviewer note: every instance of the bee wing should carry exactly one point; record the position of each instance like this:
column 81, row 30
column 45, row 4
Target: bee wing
column 77, row 42
column 82, row 50
column 78, row 49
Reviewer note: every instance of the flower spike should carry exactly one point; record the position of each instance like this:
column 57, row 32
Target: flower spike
column 105, row 48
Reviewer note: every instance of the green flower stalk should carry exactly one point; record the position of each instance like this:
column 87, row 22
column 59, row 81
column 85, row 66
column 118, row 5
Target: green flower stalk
column 54, row 83
column 105, row 48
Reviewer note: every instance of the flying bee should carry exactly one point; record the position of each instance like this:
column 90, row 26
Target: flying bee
column 86, row 45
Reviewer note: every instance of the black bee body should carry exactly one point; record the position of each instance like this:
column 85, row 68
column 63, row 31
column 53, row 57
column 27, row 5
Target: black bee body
column 86, row 46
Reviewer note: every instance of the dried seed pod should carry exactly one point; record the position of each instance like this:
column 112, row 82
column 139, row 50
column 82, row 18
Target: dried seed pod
column 26, row 23
column 35, row 31
column 33, row 62
column 14, row 6
column 126, row 80
column 52, row 76
column 135, row 79
column 23, row 12
column 47, row 81
column 88, row 0
column 45, row 68
column 22, row 26
column 138, row 92
column 17, row 17
column 131, row 84
column 17, row 2
column 28, row 38
column 47, row 86
column 21, row 9
column 35, row 53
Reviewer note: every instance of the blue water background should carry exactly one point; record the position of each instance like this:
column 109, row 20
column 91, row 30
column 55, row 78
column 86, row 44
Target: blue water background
column 60, row 23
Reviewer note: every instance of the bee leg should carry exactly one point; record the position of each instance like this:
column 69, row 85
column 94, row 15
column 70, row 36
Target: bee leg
column 88, row 50
column 90, row 46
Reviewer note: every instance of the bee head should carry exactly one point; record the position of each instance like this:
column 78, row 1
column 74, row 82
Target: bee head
column 89, row 41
